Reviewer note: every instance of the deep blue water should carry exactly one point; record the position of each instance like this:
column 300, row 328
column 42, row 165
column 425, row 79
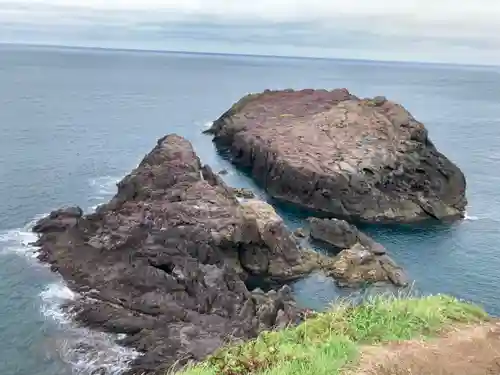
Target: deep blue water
column 72, row 122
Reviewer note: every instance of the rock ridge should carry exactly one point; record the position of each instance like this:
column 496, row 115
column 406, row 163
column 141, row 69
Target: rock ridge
column 167, row 260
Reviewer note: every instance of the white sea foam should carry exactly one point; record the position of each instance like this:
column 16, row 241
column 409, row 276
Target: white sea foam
column 470, row 217
column 208, row 125
column 86, row 351
column 103, row 189
column 20, row 240
column 104, row 186
column 53, row 296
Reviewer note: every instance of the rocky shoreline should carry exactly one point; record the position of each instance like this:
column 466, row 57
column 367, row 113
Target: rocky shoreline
column 169, row 260
column 363, row 160
column 175, row 258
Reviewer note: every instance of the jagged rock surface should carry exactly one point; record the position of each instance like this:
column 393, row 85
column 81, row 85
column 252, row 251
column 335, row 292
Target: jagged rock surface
column 166, row 260
column 361, row 259
column 329, row 151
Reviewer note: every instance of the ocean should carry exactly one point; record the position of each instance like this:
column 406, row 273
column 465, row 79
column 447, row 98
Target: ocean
column 74, row 121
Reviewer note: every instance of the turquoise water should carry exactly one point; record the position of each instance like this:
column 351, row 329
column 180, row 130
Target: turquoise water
column 73, row 122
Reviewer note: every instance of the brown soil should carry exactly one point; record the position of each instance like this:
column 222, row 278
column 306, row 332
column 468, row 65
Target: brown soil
column 470, row 350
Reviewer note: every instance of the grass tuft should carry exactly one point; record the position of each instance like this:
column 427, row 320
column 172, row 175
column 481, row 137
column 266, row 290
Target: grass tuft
column 327, row 342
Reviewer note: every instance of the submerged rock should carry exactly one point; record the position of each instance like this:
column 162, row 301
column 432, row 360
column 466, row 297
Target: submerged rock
column 361, row 259
column 361, row 159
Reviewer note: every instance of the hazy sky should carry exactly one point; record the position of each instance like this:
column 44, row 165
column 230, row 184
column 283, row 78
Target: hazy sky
column 462, row 31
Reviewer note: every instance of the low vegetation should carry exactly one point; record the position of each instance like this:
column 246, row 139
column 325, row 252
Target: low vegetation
column 328, row 343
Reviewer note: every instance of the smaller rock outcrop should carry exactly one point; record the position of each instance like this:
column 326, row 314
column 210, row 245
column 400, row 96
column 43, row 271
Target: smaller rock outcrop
column 361, row 259
column 59, row 220
column 342, row 235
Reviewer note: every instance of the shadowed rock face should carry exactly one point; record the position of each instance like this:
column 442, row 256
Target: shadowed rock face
column 329, row 151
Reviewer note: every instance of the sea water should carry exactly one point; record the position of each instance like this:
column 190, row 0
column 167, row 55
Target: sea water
column 74, row 121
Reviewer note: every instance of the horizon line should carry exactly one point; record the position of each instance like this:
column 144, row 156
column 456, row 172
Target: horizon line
column 212, row 53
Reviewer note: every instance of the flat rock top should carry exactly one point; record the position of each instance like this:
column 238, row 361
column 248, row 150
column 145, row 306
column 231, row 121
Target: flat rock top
column 347, row 131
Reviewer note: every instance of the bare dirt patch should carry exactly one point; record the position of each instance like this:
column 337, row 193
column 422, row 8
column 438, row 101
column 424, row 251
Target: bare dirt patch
column 469, row 350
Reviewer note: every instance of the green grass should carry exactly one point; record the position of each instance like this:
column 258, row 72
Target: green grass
column 325, row 343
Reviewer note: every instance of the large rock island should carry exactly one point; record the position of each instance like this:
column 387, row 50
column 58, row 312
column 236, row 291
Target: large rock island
column 172, row 258
column 365, row 160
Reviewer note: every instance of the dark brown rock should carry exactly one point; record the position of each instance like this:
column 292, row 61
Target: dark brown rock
column 329, row 151
column 166, row 261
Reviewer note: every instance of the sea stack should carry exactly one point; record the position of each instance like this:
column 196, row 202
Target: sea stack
column 364, row 160
column 170, row 261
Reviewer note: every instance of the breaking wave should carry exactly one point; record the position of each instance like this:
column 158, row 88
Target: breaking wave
column 208, row 125
column 470, row 217
column 19, row 241
column 87, row 352
column 103, row 188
